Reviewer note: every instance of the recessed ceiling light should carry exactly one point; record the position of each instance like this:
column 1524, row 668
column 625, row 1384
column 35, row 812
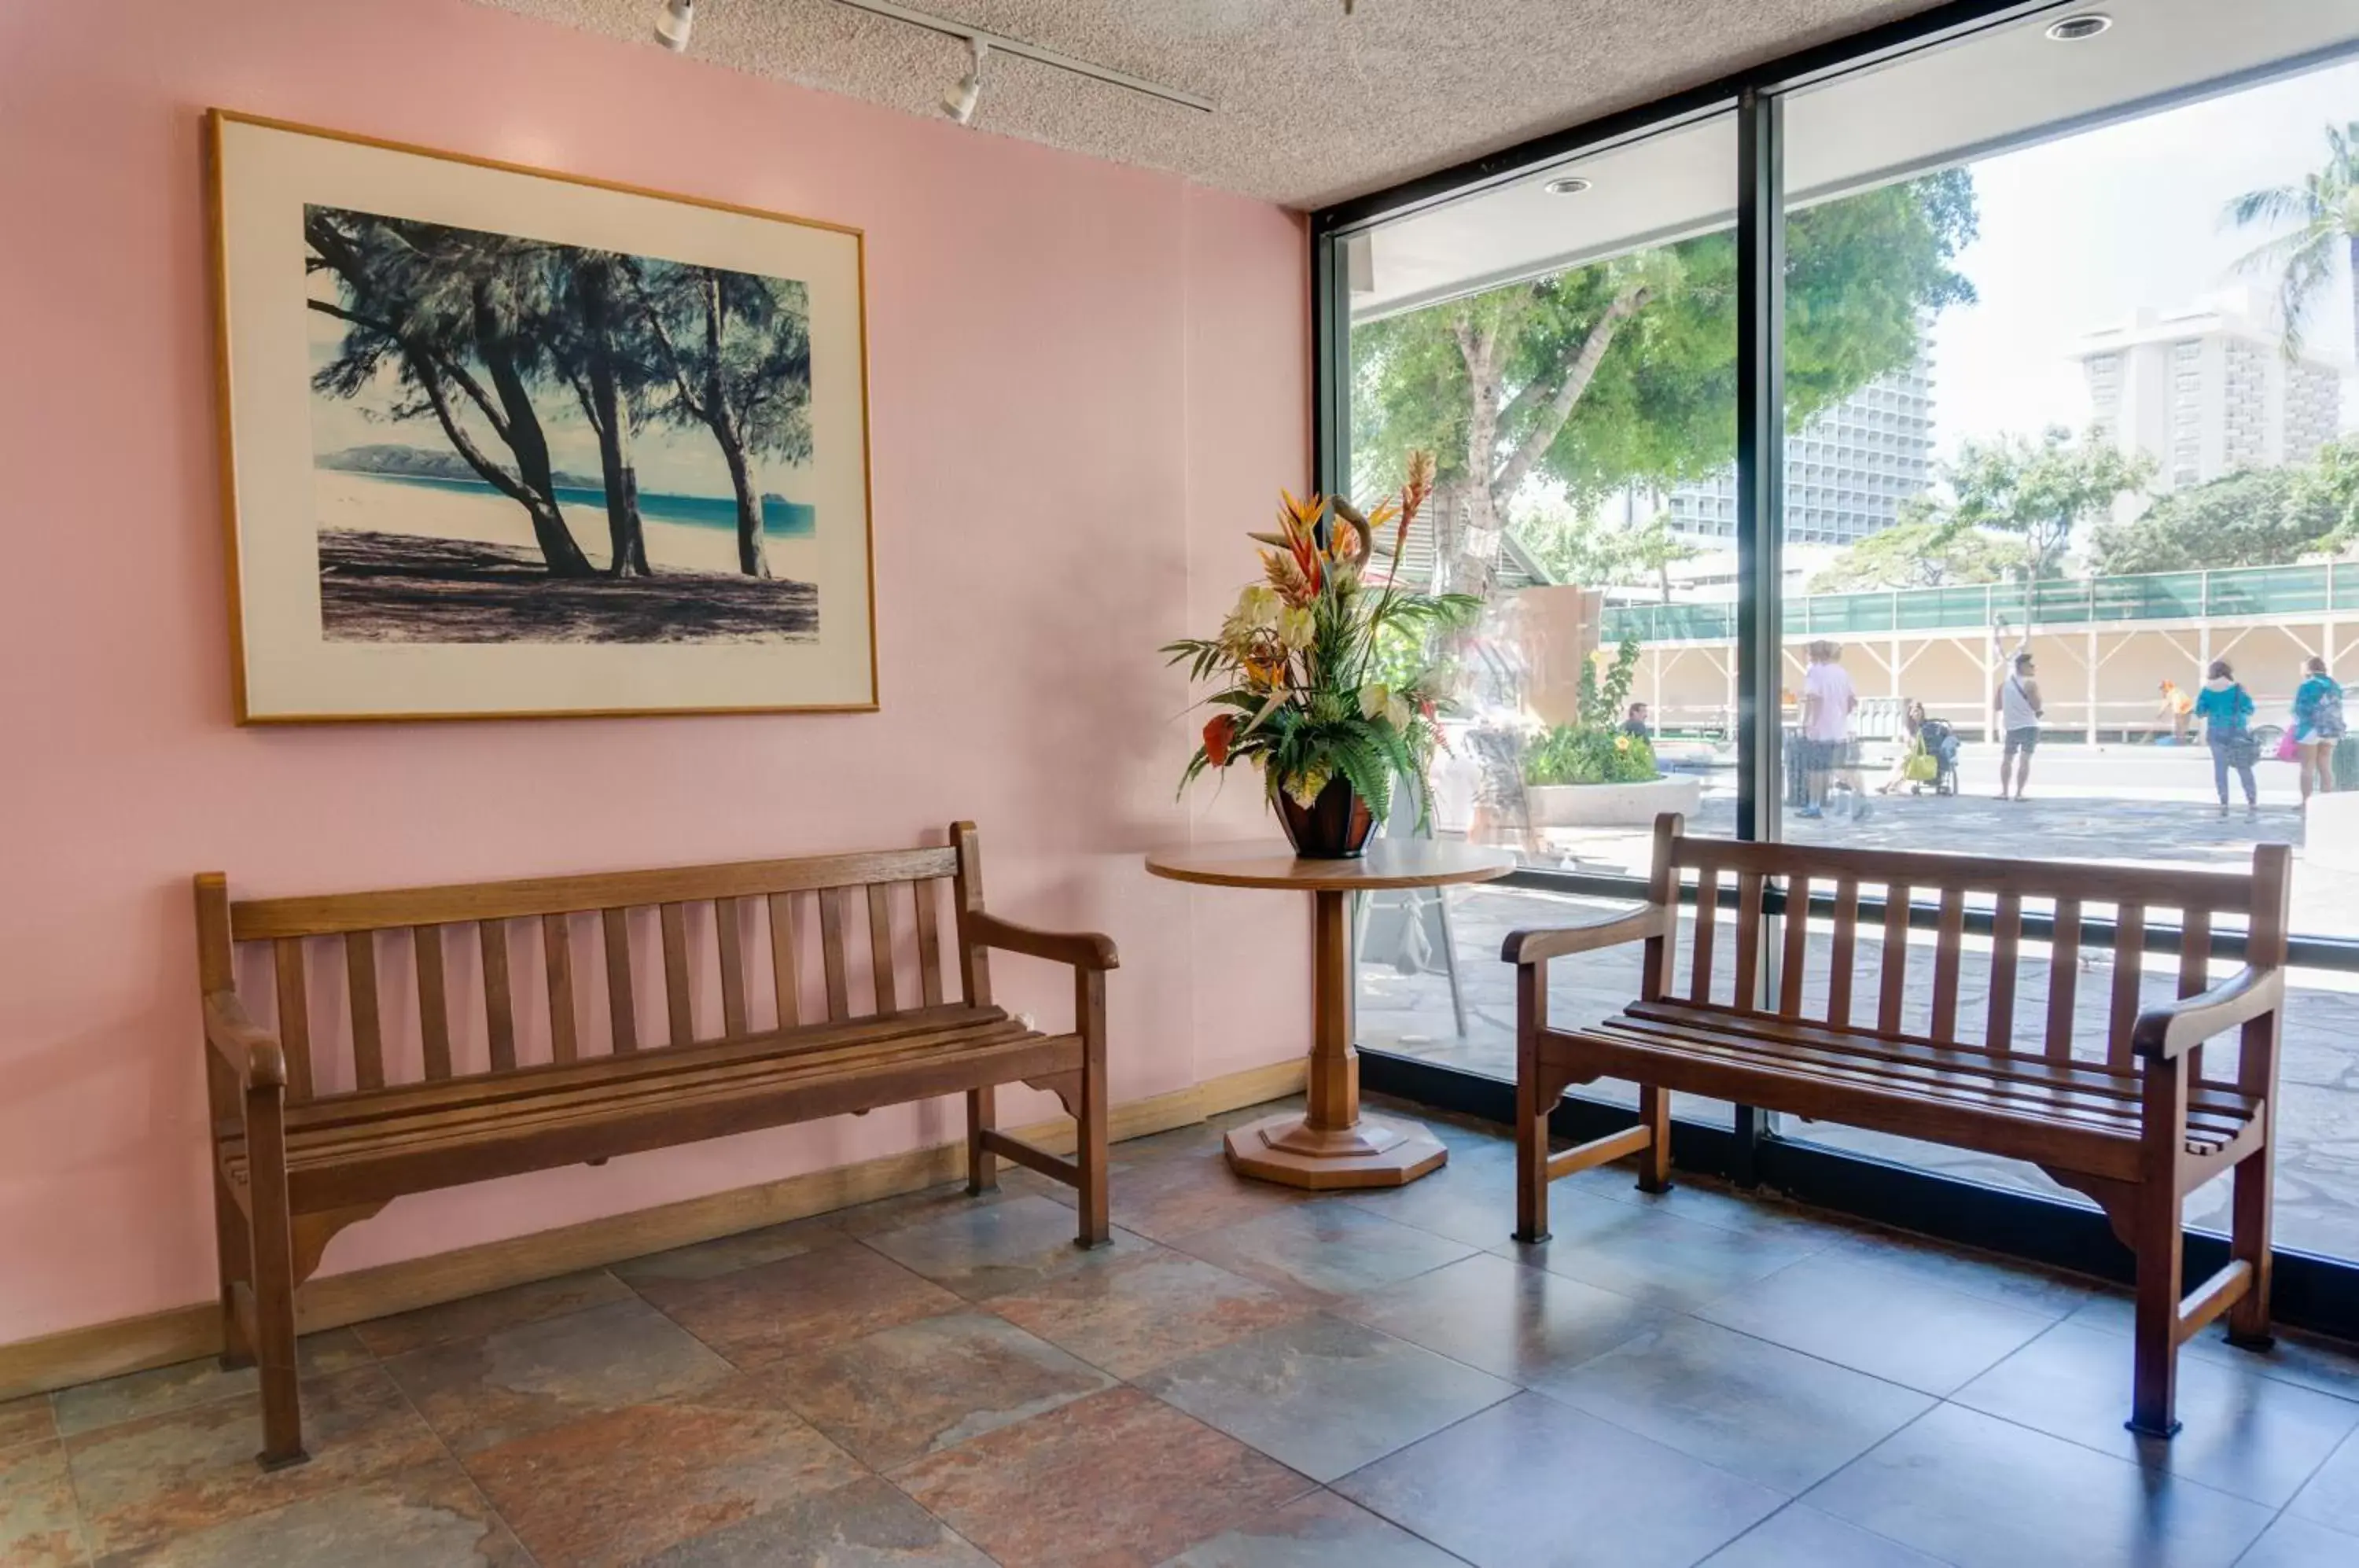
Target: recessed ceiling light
column 2073, row 29
column 1566, row 185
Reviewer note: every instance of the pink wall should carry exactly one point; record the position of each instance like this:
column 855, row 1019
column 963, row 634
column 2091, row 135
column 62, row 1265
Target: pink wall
column 1086, row 380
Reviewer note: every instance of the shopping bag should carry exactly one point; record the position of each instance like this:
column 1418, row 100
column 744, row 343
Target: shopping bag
column 2286, row 749
column 1919, row 766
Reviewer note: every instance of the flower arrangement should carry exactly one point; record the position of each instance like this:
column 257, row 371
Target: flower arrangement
column 1594, row 749
column 1324, row 681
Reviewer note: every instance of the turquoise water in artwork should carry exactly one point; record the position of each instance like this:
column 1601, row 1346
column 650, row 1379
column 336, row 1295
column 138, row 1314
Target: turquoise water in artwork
column 781, row 518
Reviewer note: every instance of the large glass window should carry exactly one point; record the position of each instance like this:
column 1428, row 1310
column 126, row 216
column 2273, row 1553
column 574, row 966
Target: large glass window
column 2086, row 500
column 1566, row 344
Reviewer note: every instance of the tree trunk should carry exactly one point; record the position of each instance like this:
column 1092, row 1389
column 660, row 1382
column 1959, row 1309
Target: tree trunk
column 753, row 560
column 531, row 444
column 610, row 416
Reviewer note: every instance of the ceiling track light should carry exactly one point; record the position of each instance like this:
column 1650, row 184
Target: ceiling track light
column 979, row 39
column 2084, row 24
column 1566, row 185
column 675, row 20
column 960, row 99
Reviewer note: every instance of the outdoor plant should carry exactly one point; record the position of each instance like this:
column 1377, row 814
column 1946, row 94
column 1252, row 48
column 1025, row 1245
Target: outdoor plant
column 1593, row 749
column 1311, row 677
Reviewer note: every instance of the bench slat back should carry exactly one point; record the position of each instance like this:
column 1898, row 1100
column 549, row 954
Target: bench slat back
column 1915, row 999
column 714, row 928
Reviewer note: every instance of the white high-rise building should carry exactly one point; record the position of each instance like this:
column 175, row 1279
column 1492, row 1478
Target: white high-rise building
column 2207, row 392
column 1847, row 470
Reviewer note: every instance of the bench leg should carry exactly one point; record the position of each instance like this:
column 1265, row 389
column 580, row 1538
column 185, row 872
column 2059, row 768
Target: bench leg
column 2248, row 1320
column 232, row 1245
column 2160, row 1282
column 1655, row 1162
column 1532, row 1107
column 981, row 1165
column 1090, row 1124
column 272, row 1255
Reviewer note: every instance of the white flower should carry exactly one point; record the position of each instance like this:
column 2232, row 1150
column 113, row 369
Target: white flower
column 1258, row 608
column 1296, row 627
column 1378, row 701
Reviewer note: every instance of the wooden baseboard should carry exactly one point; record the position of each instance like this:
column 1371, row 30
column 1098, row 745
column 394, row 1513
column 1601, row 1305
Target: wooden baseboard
column 183, row 1334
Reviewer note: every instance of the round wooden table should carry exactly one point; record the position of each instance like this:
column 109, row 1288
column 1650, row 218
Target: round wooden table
column 1331, row 1145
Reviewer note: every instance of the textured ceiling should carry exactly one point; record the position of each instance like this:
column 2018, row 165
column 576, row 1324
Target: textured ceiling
column 1313, row 105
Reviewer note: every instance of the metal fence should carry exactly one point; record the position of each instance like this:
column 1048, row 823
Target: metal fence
column 2273, row 592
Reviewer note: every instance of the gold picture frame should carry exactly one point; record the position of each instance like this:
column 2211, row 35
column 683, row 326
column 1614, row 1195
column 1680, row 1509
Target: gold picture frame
column 499, row 441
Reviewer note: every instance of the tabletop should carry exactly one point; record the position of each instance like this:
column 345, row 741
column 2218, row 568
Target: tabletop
column 1390, row 863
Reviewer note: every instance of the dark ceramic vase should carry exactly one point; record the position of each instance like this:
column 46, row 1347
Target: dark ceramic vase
column 1336, row 826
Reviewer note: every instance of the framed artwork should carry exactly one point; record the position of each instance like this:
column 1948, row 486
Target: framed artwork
column 501, row 442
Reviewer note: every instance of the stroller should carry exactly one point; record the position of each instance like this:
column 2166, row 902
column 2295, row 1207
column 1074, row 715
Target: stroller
column 1941, row 743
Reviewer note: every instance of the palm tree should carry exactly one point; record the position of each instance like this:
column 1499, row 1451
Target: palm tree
column 2323, row 209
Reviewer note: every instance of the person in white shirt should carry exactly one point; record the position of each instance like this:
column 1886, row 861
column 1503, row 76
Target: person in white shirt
column 1828, row 699
column 2014, row 710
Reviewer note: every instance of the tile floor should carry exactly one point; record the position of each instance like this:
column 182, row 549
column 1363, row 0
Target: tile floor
column 1250, row 1378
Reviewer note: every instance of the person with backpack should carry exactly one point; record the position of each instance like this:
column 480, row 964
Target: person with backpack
column 2226, row 710
column 2317, row 726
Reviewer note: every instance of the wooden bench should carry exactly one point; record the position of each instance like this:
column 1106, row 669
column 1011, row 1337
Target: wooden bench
column 2131, row 1119
column 300, row 1151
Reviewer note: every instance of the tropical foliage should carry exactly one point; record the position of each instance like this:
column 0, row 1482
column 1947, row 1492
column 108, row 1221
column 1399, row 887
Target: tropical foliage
column 2039, row 490
column 1594, row 749
column 2320, row 216
column 1315, row 668
column 1923, row 550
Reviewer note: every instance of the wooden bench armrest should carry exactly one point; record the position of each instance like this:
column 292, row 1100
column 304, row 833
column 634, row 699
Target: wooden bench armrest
column 1082, row 949
column 2175, row 1028
column 1543, row 943
column 250, row 1051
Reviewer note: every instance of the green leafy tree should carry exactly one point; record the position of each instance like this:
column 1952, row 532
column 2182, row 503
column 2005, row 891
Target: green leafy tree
column 1625, row 371
column 735, row 350
column 2244, row 520
column 2039, row 490
column 2323, row 493
column 1921, row 552
column 1576, row 545
column 2320, row 215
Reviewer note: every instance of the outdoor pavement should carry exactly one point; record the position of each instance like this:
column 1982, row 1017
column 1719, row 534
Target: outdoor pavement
column 2131, row 805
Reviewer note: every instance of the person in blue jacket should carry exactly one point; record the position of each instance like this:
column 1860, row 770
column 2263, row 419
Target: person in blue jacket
column 2225, row 710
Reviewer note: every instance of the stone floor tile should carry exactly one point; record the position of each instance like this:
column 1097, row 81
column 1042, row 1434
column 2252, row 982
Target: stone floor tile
column 1471, row 1199
column 1770, row 1414
column 799, row 1304
column 1317, row 1532
column 472, row 1316
column 989, row 1249
column 1323, row 1395
column 1330, row 1249
column 2253, row 1437
column 1708, row 1201
column 1116, row 1480
column 903, row 1393
column 1798, row 1536
column 2297, row 1543
column 141, row 1482
column 622, row 1485
column 431, row 1516
column 26, row 1420
column 1187, row 1195
column 2007, row 1282
column 946, row 1198
column 40, row 1524
column 1145, row 1311
column 726, row 1255
column 2308, row 1360
column 1982, row 1493
column 1660, row 1259
column 1884, row 1322
column 1507, row 1319
column 185, row 1384
column 480, row 1392
column 869, row 1523
column 2331, row 1497
column 1532, row 1481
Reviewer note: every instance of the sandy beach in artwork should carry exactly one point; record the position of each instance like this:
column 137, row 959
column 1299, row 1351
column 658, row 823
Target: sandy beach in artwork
column 359, row 501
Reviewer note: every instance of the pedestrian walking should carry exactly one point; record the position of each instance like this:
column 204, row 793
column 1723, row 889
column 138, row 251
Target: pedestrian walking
column 2317, row 726
column 2226, row 710
column 2014, row 711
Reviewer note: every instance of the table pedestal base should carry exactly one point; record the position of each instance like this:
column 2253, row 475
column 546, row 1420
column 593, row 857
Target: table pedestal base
column 1372, row 1153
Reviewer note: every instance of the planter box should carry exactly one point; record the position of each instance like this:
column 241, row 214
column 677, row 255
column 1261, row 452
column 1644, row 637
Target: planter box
column 1612, row 805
